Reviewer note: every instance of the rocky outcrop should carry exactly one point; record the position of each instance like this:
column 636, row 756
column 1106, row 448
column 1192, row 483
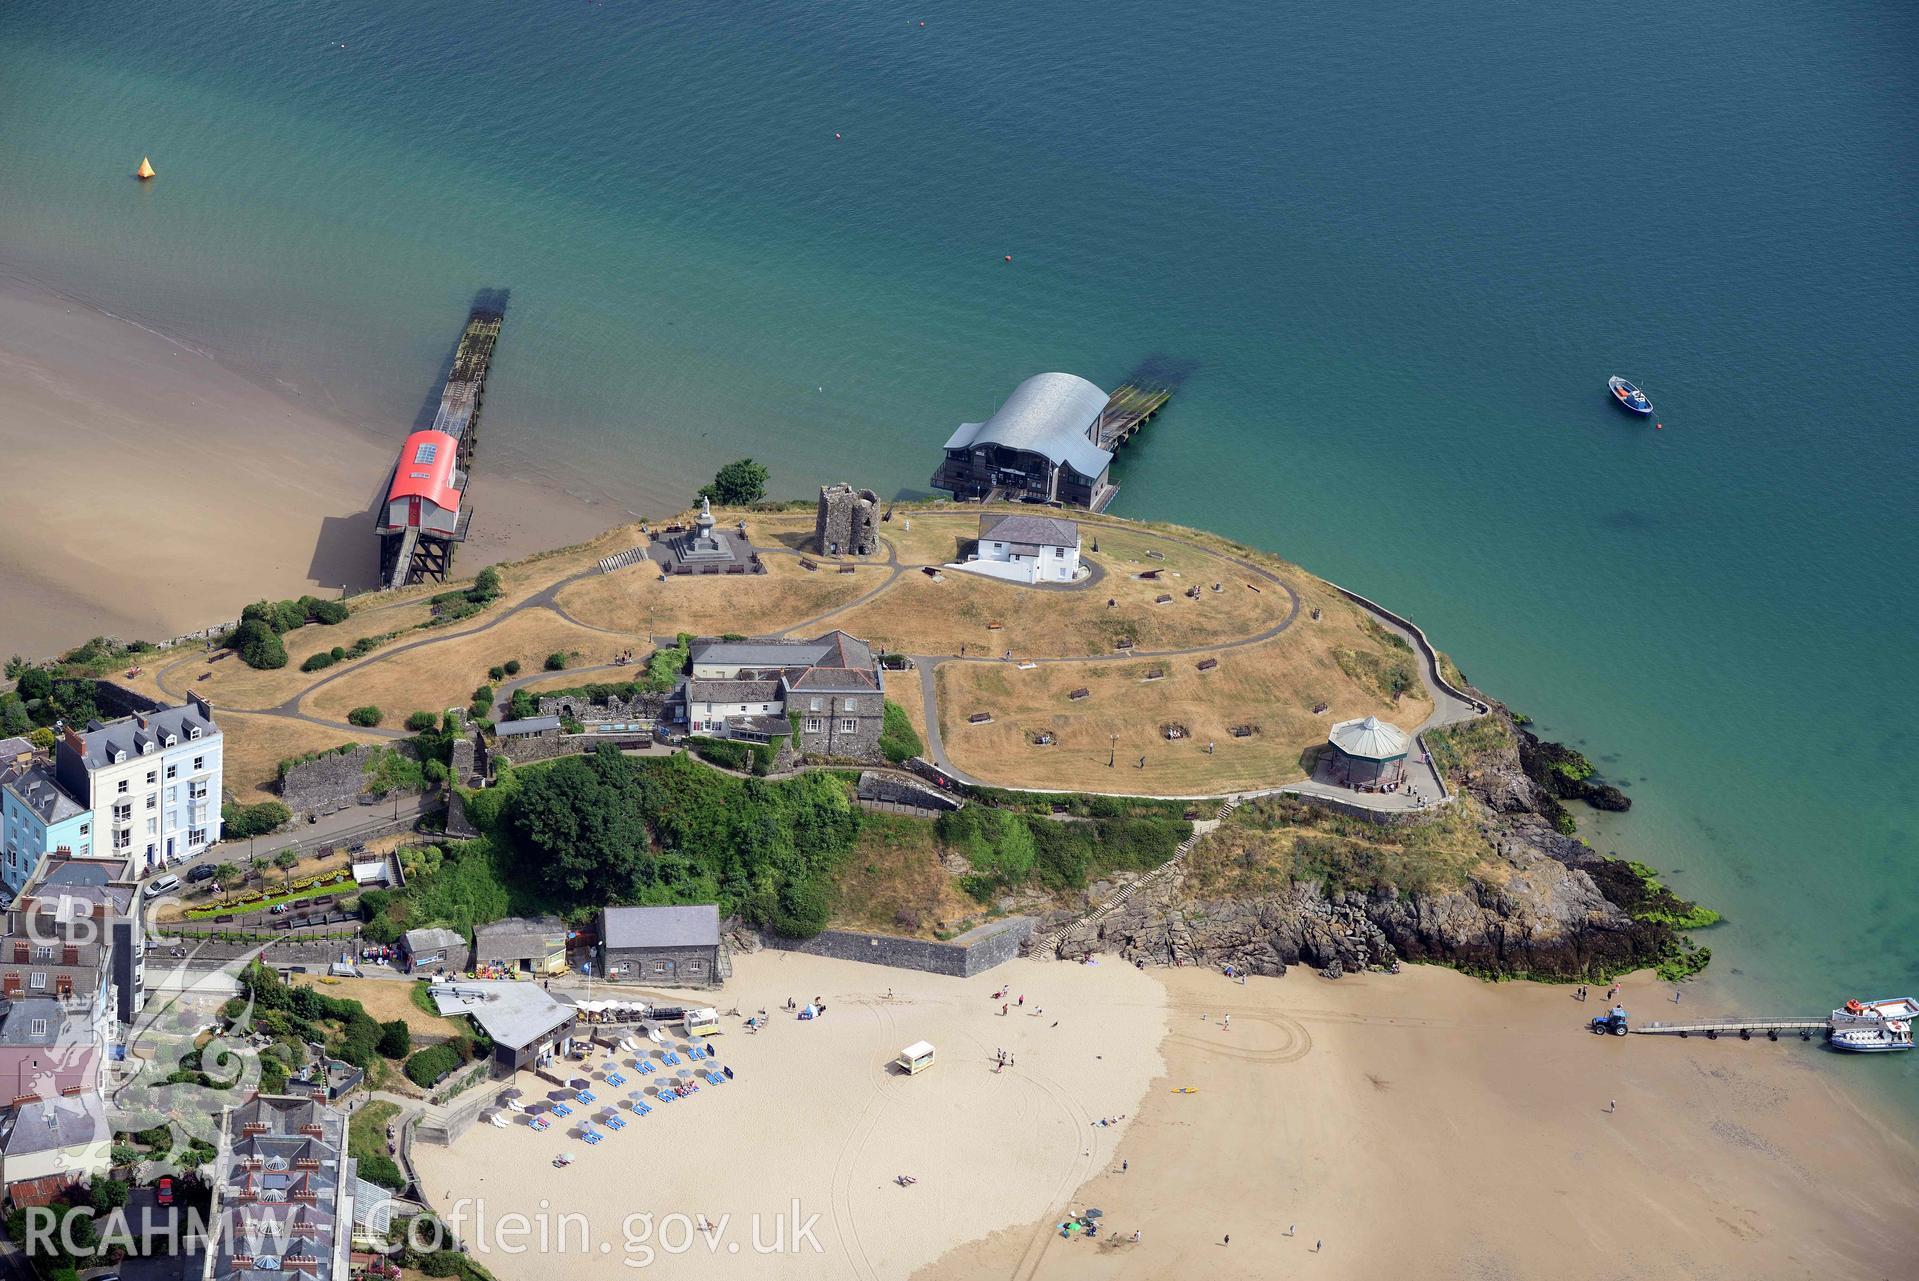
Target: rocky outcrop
column 1538, row 904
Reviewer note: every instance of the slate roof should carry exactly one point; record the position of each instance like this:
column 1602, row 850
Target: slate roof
column 1048, row 414
column 1039, row 531
column 428, row 940
column 525, row 728
column 733, row 691
column 696, row 925
column 47, row 1125
column 833, row 678
column 17, row 1020
column 518, row 936
column 35, row 787
column 99, row 742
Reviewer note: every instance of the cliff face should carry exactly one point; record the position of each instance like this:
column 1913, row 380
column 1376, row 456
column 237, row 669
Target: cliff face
column 1531, row 902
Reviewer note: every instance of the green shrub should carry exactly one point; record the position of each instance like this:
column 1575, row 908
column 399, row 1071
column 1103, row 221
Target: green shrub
column 365, row 717
column 556, row 661
column 422, row 722
column 318, row 662
column 496, row 673
column 426, row 1068
column 325, row 612
column 512, row 666
column 899, row 741
column 379, row 1168
column 258, row 645
column 396, row 1042
column 239, row 822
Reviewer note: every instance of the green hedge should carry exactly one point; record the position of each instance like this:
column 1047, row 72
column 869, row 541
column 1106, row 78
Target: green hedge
column 426, row 1067
column 899, row 741
column 238, row 822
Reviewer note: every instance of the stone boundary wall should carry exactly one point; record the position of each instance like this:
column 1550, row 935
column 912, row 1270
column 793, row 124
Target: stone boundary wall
column 330, row 784
column 973, row 953
column 1380, row 818
column 1419, row 638
column 115, row 700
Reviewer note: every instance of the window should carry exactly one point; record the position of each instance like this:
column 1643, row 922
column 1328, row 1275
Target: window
column 173, row 772
column 198, row 836
column 123, row 813
column 153, row 776
column 850, row 705
column 849, row 725
column 153, row 800
column 813, row 705
column 122, row 789
column 173, row 740
column 39, row 1027
column 194, row 732
column 199, row 763
column 122, row 839
column 84, row 828
column 43, row 952
column 425, row 453
column 38, row 982
column 814, row 724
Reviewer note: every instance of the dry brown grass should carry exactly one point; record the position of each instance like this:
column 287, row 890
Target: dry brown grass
column 920, row 616
column 445, row 672
column 633, row 600
column 904, row 688
column 255, row 746
column 385, row 1000
column 1274, row 685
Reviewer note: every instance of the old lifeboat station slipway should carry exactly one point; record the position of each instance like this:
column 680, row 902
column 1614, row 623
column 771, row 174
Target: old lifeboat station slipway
column 426, row 513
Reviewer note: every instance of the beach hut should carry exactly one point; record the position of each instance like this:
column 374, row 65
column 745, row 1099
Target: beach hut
column 1369, row 752
column 703, row 1022
column 916, row 1058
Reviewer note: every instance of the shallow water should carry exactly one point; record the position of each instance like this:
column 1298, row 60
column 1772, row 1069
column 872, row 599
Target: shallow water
column 1395, row 252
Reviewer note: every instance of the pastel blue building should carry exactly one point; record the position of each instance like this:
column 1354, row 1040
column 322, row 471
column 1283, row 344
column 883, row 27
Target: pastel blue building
column 37, row 816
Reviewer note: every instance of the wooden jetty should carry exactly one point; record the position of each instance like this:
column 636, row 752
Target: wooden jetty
column 1127, row 410
column 426, row 514
column 1744, row 1029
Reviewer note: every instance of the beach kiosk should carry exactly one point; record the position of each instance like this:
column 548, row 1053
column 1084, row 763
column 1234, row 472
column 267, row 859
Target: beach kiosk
column 703, row 1022
column 916, row 1058
column 1369, row 754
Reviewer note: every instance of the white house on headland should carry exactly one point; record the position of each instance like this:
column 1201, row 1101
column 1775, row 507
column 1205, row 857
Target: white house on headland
column 1026, row 549
column 151, row 780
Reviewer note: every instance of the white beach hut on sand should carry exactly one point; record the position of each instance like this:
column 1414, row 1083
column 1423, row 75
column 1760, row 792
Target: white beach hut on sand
column 915, row 1058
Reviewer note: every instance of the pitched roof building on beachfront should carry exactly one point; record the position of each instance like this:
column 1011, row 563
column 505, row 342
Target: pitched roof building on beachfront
column 283, row 1192
column 1043, row 445
column 1030, row 533
column 746, row 689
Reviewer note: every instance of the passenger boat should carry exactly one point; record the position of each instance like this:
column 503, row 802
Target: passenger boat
column 1874, row 1027
column 1629, row 396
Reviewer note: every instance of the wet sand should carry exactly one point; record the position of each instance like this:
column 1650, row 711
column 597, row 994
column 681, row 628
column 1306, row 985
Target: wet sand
column 1432, row 1125
column 153, row 491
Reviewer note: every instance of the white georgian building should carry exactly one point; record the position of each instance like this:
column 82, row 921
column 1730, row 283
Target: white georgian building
column 1026, row 549
column 151, row 780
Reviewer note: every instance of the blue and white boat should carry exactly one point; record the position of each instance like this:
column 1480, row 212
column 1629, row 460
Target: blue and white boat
column 1629, row 396
column 1874, row 1027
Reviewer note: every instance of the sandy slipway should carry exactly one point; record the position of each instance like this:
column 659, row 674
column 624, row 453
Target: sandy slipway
column 1550, row 906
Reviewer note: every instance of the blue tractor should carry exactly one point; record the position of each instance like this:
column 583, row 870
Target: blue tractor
column 1613, row 1021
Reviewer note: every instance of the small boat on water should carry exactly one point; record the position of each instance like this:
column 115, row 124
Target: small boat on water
column 1874, row 1027
column 145, row 171
column 1629, row 396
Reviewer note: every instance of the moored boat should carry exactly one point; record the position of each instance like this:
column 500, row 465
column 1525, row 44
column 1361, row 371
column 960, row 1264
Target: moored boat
column 1629, row 396
column 1874, row 1027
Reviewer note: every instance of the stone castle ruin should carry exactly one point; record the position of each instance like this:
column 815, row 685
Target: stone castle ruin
column 848, row 521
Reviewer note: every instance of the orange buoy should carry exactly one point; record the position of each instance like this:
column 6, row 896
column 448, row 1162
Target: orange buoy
column 145, row 171
column 1659, row 426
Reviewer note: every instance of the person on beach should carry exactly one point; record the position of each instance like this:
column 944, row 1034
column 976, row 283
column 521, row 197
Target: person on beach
column 1228, row 1240
column 1022, row 1000
column 1612, row 1105
column 1228, row 1024
column 1123, row 1166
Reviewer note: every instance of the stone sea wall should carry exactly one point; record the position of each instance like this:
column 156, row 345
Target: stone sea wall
column 972, row 953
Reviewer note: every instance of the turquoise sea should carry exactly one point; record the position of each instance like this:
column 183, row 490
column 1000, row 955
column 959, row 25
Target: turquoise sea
column 1397, row 248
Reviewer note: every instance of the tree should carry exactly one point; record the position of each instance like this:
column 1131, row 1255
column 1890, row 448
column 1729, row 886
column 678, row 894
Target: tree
column 395, row 1041
column 35, row 683
column 109, row 1194
column 422, row 722
column 258, row 645
column 584, row 820
column 512, row 666
column 737, row 484
column 286, row 859
column 365, row 717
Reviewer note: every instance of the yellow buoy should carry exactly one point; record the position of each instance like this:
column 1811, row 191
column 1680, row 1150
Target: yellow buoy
column 145, row 171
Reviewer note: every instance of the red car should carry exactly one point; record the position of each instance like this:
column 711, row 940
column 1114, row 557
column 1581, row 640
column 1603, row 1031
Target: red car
column 164, row 1189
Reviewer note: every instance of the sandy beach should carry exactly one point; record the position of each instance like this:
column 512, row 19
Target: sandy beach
column 1426, row 1116
column 815, row 1119
column 156, row 491
column 1429, row 1124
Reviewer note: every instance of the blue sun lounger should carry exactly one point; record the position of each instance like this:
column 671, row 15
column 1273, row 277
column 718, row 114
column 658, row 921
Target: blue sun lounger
column 695, row 1053
column 615, row 1123
column 586, row 1096
column 665, row 1096
column 646, row 1065
column 642, row 1109
column 591, row 1136
column 670, row 1059
column 561, row 1109
column 614, row 1078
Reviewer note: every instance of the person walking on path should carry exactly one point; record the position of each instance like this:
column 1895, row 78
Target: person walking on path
column 1228, row 1240
column 1318, row 1246
column 1123, row 1167
column 1612, row 1105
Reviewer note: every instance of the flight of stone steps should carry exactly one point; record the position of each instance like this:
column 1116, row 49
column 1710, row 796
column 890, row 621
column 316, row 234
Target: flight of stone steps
column 1046, row 947
column 620, row 560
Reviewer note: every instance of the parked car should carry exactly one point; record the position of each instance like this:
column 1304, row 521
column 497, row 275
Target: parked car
column 163, row 1190
column 201, row 872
